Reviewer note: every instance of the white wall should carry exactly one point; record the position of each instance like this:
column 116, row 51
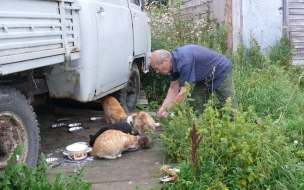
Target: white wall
column 263, row 20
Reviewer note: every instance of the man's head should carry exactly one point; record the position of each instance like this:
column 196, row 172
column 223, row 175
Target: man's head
column 161, row 61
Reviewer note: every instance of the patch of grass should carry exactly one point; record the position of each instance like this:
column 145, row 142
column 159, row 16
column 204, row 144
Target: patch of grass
column 19, row 176
column 263, row 147
column 244, row 154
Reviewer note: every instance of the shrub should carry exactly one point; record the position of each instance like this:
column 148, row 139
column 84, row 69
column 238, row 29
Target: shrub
column 244, row 154
column 281, row 53
column 18, row 176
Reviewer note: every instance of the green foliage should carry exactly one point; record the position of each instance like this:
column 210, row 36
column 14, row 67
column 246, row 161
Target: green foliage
column 18, row 176
column 244, row 154
column 155, row 87
column 169, row 31
column 263, row 147
column 296, row 76
column 281, row 54
column 251, row 56
column 263, row 87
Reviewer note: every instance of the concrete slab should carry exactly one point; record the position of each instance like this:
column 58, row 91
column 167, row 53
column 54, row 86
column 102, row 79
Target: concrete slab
column 134, row 170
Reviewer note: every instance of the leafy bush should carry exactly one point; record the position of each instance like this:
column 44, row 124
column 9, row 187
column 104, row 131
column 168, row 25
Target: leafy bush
column 249, row 153
column 267, row 89
column 263, row 148
column 155, row 87
column 281, row 54
column 18, row 176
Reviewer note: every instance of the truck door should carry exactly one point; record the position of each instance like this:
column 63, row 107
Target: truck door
column 114, row 43
column 141, row 27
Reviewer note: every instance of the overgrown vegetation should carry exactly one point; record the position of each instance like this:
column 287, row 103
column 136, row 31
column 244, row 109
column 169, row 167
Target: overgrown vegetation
column 169, row 31
column 263, row 147
column 19, row 176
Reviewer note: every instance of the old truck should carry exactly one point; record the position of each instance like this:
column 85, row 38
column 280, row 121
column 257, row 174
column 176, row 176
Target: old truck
column 77, row 49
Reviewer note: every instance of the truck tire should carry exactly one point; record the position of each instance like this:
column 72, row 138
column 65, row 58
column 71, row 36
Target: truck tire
column 129, row 95
column 18, row 126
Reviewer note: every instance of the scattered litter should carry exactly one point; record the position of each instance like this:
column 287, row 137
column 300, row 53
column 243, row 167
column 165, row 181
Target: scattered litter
column 172, row 173
column 167, row 178
column 63, row 119
column 58, row 125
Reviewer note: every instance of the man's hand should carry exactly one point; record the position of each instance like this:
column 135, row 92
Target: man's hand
column 161, row 113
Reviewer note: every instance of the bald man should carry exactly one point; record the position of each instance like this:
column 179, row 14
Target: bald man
column 209, row 70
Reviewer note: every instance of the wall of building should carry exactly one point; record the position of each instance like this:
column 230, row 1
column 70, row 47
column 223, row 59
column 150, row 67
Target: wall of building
column 263, row 20
column 195, row 9
column 294, row 16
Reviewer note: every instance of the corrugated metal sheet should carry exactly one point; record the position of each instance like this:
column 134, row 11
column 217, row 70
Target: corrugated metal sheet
column 295, row 24
column 32, row 32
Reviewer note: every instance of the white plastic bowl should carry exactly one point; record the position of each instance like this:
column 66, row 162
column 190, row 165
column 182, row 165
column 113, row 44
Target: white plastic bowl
column 77, row 151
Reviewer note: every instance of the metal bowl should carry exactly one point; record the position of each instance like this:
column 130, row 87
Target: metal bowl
column 54, row 162
column 58, row 125
column 75, row 129
column 96, row 119
column 63, row 119
column 74, row 124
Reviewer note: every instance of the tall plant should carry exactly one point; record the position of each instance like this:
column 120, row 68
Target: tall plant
column 244, row 154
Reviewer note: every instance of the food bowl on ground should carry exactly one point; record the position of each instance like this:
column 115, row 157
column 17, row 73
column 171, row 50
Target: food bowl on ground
column 63, row 119
column 54, row 162
column 96, row 119
column 58, row 125
column 77, row 151
column 74, row 124
column 75, row 129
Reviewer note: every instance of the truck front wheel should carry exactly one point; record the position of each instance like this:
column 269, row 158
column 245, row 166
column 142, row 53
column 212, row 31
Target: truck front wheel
column 129, row 95
column 18, row 126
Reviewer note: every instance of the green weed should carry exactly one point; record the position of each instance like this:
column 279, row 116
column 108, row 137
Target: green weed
column 19, row 176
column 249, row 153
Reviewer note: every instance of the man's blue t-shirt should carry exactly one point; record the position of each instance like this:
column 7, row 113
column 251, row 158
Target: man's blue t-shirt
column 197, row 64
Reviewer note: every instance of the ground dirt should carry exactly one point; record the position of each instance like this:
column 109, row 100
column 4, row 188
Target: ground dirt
column 134, row 170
